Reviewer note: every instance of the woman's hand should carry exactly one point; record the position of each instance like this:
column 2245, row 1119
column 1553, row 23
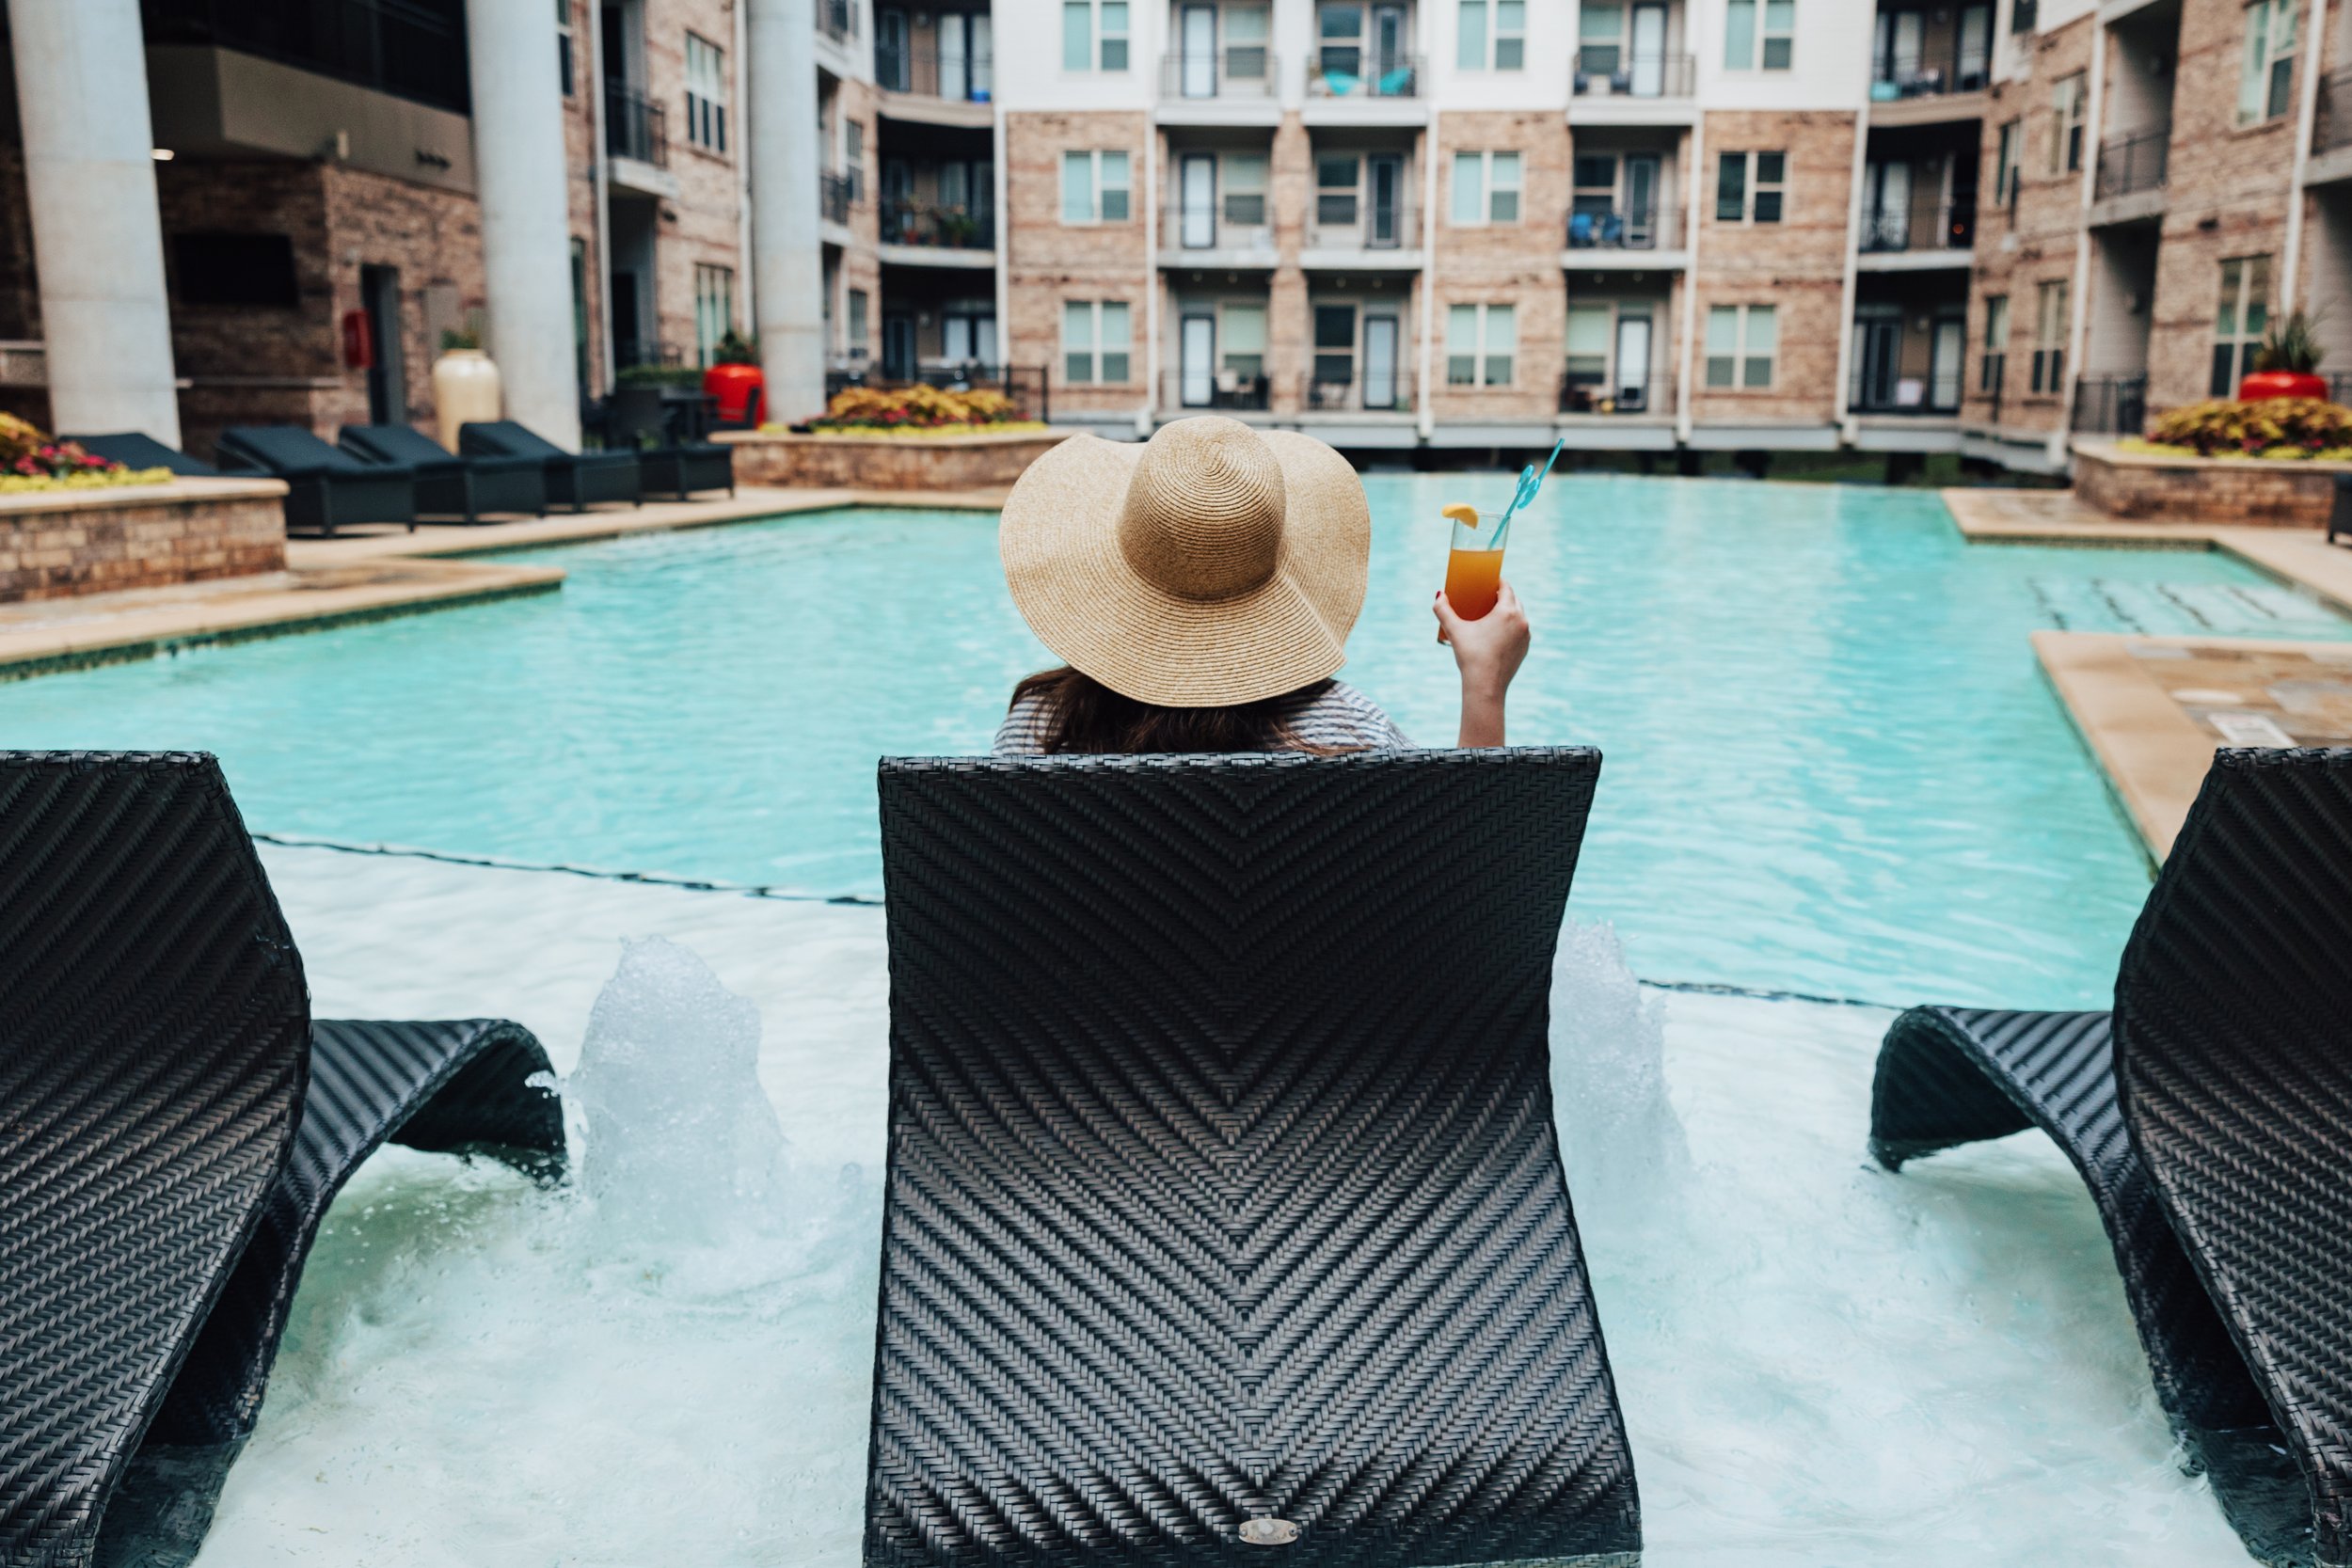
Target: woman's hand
column 1489, row 652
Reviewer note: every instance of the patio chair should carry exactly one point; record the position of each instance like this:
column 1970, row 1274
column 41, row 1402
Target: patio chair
column 2211, row 1116
column 666, row 464
column 1224, row 1203
column 449, row 485
column 579, row 480
column 136, row 449
column 326, row 489
column 1580, row 230
column 173, row 1125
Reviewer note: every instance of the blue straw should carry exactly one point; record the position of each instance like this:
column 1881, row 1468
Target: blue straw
column 1530, row 482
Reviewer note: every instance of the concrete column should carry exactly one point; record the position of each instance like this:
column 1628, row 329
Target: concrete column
column 89, row 171
column 525, row 229
column 788, row 270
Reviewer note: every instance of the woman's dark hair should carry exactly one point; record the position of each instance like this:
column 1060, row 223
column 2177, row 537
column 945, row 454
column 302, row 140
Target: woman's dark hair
column 1081, row 715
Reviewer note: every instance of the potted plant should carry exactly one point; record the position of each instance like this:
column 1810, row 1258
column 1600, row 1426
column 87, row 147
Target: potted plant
column 734, row 382
column 2284, row 363
column 465, row 388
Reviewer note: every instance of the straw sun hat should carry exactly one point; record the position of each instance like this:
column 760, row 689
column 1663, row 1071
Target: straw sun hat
column 1210, row 565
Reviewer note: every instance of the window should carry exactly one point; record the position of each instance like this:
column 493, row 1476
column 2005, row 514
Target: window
column 1481, row 341
column 1094, row 35
column 1245, row 176
column 2269, row 65
column 1335, row 343
column 2049, row 336
column 1590, row 329
column 2005, row 167
column 1241, row 338
column 706, row 94
column 714, row 308
column 1601, row 38
column 1501, row 47
column 1751, row 187
column 1485, row 188
column 857, row 324
column 1778, row 36
column 2066, row 124
column 1595, row 189
column 1990, row 369
column 1742, row 340
column 1246, row 33
column 1335, row 192
column 564, row 46
column 1094, row 342
column 234, row 269
column 853, row 157
column 1094, row 187
column 1340, row 40
column 2239, row 322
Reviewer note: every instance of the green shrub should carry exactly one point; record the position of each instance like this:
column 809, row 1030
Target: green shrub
column 2268, row 427
column 2291, row 345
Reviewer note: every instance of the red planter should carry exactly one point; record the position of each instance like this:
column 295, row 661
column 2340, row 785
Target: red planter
column 733, row 386
column 2281, row 384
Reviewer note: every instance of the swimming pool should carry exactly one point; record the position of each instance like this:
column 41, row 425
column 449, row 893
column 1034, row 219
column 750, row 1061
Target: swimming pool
column 1833, row 765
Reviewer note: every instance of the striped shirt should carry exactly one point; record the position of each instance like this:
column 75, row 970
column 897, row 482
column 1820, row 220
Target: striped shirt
column 1341, row 718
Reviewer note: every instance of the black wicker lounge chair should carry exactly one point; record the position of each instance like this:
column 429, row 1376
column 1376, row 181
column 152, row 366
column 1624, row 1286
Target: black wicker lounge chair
column 1224, row 1204
column 172, row 1127
column 326, row 489
column 668, row 464
column 2211, row 1115
column 449, row 485
column 578, row 479
column 136, row 449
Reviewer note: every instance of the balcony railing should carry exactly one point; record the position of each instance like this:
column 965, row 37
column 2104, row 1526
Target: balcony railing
column 2335, row 112
column 1236, row 71
column 927, row 223
column 2134, row 163
column 2110, row 405
column 1354, row 72
column 836, row 193
column 1231, row 224
column 1350, row 223
column 635, row 126
column 1621, row 229
column 1590, row 392
column 967, row 78
column 837, row 19
column 1899, row 74
column 1950, row 225
column 1611, row 71
column 1223, row 388
column 1339, row 383
column 1025, row 385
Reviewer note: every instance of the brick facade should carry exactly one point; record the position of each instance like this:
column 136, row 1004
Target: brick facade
column 1514, row 263
column 1049, row 262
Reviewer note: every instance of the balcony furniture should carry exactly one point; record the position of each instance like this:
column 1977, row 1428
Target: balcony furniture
column 449, row 485
column 577, row 479
column 136, row 449
column 326, row 489
column 173, row 1125
column 669, row 460
column 1265, row 1242
column 2211, row 1116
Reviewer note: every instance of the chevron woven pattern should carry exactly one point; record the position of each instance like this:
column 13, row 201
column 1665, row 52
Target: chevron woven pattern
column 1223, row 1185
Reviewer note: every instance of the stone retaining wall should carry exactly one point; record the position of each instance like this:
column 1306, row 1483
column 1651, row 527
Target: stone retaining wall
column 888, row 462
column 56, row 545
column 2242, row 492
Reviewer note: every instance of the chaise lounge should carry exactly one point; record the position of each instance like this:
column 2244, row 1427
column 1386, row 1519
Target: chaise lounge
column 667, row 465
column 2211, row 1115
column 449, row 485
column 173, row 1125
column 1224, row 1207
column 326, row 489
column 136, row 449
column 579, row 480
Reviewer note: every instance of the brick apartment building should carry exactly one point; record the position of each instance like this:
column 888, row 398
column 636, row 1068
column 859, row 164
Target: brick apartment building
column 1655, row 225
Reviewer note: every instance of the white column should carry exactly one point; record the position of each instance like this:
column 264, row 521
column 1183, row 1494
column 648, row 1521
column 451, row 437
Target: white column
column 526, row 232
column 89, row 171
column 788, row 270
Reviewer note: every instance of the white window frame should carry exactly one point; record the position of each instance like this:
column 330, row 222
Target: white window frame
column 2053, row 307
column 1106, row 43
column 1102, row 188
column 2005, row 162
column 2070, row 98
column 1756, row 192
column 1759, row 35
column 1496, row 179
column 706, row 94
column 1492, row 327
column 1992, row 364
column 2247, row 283
column 858, row 334
column 1750, row 324
column 1235, row 183
column 567, row 45
column 1085, row 329
column 1490, row 35
column 2266, row 71
column 714, row 308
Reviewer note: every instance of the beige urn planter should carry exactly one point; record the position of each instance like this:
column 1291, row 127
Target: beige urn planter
column 465, row 391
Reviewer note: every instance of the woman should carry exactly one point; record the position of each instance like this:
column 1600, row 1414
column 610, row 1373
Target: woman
column 1200, row 587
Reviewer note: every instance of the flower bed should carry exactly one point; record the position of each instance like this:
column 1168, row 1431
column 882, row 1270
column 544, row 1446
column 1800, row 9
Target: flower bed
column 2148, row 482
column 2275, row 430
column 920, row 411
column 32, row 462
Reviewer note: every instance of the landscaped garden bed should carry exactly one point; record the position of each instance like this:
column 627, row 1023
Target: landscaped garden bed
column 2266, row 463
column 911, row 438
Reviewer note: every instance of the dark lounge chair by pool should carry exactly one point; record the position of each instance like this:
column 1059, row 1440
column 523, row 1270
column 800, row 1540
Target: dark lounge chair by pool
column 2211, row 1115
column 668, row 464
column 579, row 480
column 326, row 489
column 173, row 1125
column 449, row 485
column 136, row 449
column 1224, row 1205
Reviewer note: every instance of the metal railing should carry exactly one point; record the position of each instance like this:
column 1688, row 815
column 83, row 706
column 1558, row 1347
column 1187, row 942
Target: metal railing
column 1949, row 226
column 1614, row 228
column 1947, row 68
column 834, row 194
column 928, row 222
column 1610, row 71
column 2334, row 129
column 1227, row 224
column 1236, row 71
column 1331, row 226
column 2110, row 405
column 635, row 126
column 1025, row 385
column 1373, row 75
column 2133, row 163
column 837, row 19
column 915, row 69
column 1327, row 391
column 631, row 353
column 1223, row 389
column 1588, row 392
column 410, row 51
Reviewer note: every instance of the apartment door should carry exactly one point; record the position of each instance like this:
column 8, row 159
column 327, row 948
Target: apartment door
column 898, row 348
column 1200, row 52
column 1901, row 35
column 954, row 55
column 1384, row 225
column 1943, row 367
column 968, row 338
column 1640, row 201
column 891, row 68
column 1631, row 387
column 1878, row 357
column 628, row 348
column 387, row 382
column 1197, row 182
column 1197, row 361
column 1381, row 337
column 1649, row 51
column 1389, row 52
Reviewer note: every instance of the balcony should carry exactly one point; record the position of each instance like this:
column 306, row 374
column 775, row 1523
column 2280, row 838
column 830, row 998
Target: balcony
column 1337, row 386
column 1226, row 390
column 1240, row 70
column 1350, row 73
column 920, row 68
column 1612, row 72
column 838, row 20
column 931, row 226
column 635, row 126
column 2110, row 405
column 1903, row 239
column 836, row 192
column 1346, row 223
column 1234, row 231
column 411, row 51
column 1646, row 395
column 1925, row 68
column 2130, row 165
column 1612, row 229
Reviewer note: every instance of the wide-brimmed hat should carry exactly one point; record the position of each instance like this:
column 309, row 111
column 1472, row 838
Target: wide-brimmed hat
column 1209, row 565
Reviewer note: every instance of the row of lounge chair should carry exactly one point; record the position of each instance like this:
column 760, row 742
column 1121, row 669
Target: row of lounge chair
column 397, row 474
column 1224, row 1208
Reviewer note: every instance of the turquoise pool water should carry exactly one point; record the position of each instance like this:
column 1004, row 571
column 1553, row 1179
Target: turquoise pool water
column 1833, row 765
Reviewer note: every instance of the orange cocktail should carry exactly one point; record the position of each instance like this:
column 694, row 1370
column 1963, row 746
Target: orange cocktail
column 1473, row 573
